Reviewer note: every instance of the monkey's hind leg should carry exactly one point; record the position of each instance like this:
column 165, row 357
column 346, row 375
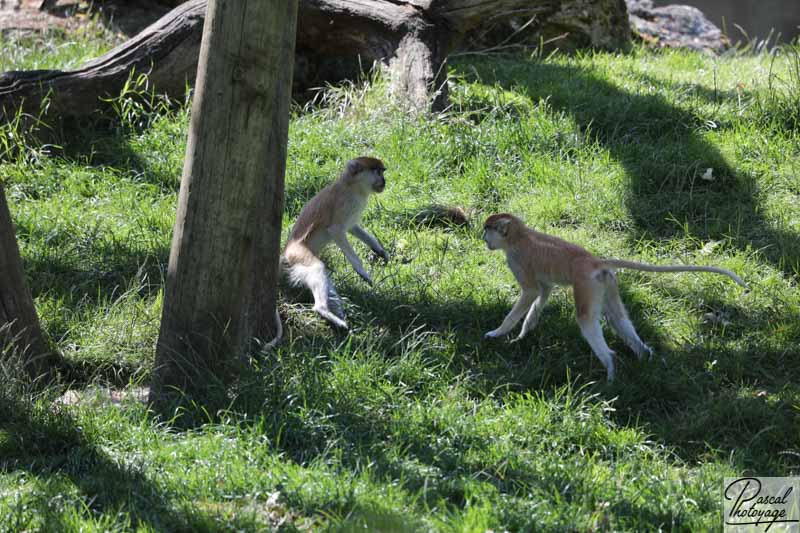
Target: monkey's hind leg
column 325, row 297
column 334, row 300
column 316, row 279
column 617, row 317
column 589, row 297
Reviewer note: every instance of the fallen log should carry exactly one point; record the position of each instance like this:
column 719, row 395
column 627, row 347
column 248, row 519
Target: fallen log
column 336, row 39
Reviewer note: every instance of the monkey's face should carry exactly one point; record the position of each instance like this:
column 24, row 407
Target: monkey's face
column 371, row 180
column 494, row 233
column 366, row 174
column 492, row 238
column 378, row 180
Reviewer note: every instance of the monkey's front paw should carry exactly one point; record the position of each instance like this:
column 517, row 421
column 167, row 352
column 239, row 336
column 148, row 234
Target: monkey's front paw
column 493, row 334
column 516, row 339
column 366, row 278
column 378, row 254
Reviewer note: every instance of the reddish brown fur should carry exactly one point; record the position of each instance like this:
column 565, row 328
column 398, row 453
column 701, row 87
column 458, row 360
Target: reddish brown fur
column 539, row 261
column 370, row 163
column 328, row 205
column 441, row 215
column 328, row 217
column 543, row 256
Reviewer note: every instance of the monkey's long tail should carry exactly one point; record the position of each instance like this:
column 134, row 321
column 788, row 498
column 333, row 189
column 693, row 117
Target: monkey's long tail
column 278, row 332
column 620, row 263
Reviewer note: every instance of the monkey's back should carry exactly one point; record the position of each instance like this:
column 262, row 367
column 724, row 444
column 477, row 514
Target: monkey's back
column 554, row 259
column 315, row 214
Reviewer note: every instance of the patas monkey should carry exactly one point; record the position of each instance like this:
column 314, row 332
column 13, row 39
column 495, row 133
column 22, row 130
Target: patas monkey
column 329, row 216
column 539, row 261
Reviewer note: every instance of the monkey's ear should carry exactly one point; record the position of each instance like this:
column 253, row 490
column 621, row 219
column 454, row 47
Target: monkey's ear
column 353, row 167
column 502, row 226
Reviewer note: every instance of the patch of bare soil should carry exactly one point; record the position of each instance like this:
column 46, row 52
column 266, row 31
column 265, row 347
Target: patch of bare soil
column 103, row 395
column 25, row 15
column 128, row 17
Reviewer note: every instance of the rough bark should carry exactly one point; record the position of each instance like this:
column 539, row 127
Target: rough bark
column 419, row 69
column 336, row 39
column 221, row 282
column 20, row 333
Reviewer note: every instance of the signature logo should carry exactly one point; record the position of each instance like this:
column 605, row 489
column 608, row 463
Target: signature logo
column 752, row 501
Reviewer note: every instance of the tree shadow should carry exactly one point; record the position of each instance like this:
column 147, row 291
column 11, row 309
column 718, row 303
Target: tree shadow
column 95, row 266
column 65, row 275
column 48, row 443
column 684, row 397
column 294, row 381
column 663, row 152
column 97, row 277
column 102, row 144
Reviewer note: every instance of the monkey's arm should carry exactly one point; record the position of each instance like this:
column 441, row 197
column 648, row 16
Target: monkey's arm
column 535, row 311
column 523, row 303
column 367, row 238
column 340, row 238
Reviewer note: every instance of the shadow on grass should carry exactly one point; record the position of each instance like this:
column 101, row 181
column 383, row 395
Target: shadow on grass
column 91, row 277
column 70, row 276
column 47, row 443
column 104, row 147
column 679, row 401
column 309, row 415
column 97, row 265
column 692, row 399
column 663, row 152
column 52, row 446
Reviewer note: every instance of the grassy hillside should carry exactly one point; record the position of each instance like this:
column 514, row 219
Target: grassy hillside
column 414, row 421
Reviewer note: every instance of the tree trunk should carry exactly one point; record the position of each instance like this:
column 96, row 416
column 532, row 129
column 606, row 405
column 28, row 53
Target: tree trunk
column 20, row 334
column 336, row 39
column 221, row 282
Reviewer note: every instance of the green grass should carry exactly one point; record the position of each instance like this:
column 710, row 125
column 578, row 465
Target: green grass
column 54, row 48
column 413, row 421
